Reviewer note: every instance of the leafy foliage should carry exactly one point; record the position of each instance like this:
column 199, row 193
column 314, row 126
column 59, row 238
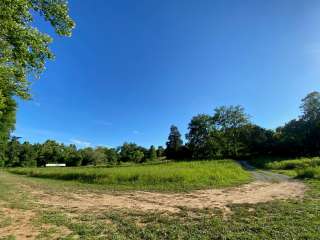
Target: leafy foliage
column 24, row 51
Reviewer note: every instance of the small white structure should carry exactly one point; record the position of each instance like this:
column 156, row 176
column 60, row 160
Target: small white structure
column 55, row 165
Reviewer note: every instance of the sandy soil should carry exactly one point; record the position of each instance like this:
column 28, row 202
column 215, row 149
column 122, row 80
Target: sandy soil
column 255, row 192
column 22, row 227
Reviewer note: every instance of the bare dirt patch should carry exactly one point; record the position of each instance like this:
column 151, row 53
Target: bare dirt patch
column 21, row 224
column 252, row 193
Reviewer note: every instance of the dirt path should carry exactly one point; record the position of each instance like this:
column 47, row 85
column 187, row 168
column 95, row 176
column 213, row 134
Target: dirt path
column 265, row 176
column 255, row 192
column 267, row 187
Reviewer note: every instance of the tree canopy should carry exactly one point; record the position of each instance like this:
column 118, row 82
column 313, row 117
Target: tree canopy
column 23, row 48
column 24, row 51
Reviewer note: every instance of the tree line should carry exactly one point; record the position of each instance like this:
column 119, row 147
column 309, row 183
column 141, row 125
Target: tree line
column 31, row 155
column 227, row 133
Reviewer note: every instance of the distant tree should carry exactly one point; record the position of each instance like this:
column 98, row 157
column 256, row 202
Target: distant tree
column 174, row 143
column 50, row 152
column 131, row 152
column 13, row 153
column 291, row 138
column 137, row 156
column 160, row 152
column 99, row 156
column 87, row 156
column 72, row 156
column 112, row 155
column 310, row 124
column 203, row 139
column 229, row 121
column 152, row 153
column 311, row 107
column 256, row 141
column 27, row 155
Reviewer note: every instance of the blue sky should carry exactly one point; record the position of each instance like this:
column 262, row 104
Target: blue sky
column 133, row 68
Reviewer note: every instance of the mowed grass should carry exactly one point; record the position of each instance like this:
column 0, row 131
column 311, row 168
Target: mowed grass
column 173, row 176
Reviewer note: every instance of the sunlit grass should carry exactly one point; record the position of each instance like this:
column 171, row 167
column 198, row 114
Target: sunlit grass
column 298, row 168
column 294, row 164
column 310, row 172
column 167, row 176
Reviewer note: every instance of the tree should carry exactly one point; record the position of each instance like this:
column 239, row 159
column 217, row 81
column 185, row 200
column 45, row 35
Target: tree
column 71, row 156
column 23, row 48
column 131, row 152
column 112, row 155
column 7, row 122
column 24, row 51
column 256, row 141
column 174, row 143
column 203, row 139
column 311, row 107
column 99, row 156
column 13, row 153
column 50, row 152
column 87, row 156
column 152, row 153
column 27, row 155
column 160, row 152
column 230, row 120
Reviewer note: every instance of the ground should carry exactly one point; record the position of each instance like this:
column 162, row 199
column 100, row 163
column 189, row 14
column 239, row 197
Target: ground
column 272, row 207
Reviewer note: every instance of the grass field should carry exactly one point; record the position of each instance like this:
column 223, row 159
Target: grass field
column 173, row 176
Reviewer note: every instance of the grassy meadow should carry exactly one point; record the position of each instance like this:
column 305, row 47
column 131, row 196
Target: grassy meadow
column 172, row 176
column 294, row 219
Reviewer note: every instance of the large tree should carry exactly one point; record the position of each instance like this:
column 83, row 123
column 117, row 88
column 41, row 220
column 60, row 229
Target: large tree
column 230, row 120
column 24, row 50
column 204, row 141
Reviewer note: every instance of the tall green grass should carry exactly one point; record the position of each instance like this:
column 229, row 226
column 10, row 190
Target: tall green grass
column 299, row 168
column 167, row 176
column 294, row 164
column 310, row 172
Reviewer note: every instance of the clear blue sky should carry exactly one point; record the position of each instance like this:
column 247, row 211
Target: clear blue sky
column 133, row 68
